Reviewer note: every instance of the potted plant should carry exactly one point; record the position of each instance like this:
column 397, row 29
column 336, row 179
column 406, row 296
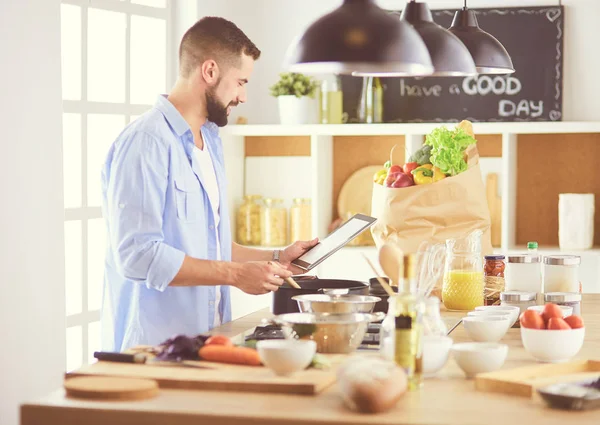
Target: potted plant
column 294, row 93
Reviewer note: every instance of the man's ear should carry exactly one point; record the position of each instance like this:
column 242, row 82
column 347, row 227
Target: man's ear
column 210, row 71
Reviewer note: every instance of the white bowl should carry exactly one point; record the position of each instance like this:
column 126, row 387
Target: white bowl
column 479, row 357
column 286, row 356
column 516, row 311
column 488, row 328
column 552, row 346
column 566, row 310
column 435, row 353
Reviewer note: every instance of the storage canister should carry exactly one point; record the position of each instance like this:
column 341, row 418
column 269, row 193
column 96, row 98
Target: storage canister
column 523, row 272
column 520, row 299
column 561, row 273
column 572, row 299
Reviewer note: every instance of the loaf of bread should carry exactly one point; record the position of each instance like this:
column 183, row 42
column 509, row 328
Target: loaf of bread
column 371, row 384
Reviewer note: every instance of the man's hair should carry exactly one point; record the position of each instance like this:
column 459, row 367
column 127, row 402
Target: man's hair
column 217, row 39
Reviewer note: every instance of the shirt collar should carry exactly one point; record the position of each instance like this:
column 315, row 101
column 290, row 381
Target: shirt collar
column 174, row 118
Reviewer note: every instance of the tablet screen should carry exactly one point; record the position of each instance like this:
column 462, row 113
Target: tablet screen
column 337, row 239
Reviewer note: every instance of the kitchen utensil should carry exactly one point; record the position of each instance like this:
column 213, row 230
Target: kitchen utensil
column 523, row 381
column 573, row 396
column 552, row 346
column 433, row 267
column 218, row 377
column 292, row 282
column 390, row 259
column 141, row 358
column 282, row 298
column 286, row 356
column 336, row 304
column 333, row 333
column 388, row 289
column 110, row 388
column 479, row 357
column 454, row 327
column 377, row 290
column 486, row 328
column 357, row 191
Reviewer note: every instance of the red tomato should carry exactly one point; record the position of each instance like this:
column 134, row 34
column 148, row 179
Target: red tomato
column 574, row 321
column 550, row 311
column 218, row 340
column 531, row 319
column 557, row 323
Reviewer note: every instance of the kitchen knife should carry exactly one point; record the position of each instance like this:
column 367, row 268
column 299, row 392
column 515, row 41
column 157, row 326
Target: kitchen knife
column 142, row 358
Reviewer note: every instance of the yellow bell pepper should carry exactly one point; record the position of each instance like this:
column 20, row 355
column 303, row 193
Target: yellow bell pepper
column 379, row 177
column 427, row 174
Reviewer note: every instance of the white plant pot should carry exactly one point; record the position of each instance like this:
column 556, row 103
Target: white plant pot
column 296, row 110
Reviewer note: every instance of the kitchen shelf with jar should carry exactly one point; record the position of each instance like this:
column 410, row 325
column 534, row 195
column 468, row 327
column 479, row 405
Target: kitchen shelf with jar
column 534, row 160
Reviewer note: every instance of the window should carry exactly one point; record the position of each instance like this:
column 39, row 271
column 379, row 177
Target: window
column 114, row 63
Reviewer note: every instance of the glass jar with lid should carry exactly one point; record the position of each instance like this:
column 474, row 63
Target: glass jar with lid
column 300, row 220
column 521, row 299
column 523, row 272
column 571, row 299
column 274, row 224
column 561, row 273
column 494, row 278
column 249, row 221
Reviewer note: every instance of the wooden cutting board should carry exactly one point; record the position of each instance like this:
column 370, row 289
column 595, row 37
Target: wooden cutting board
column 523, row 381
column 219, row 377
column 495, row 206
column 109, row 388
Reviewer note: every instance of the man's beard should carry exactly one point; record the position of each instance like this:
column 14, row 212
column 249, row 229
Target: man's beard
column 217, row 112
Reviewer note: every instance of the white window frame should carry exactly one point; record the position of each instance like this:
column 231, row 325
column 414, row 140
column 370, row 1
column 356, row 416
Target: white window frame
column 85, row 107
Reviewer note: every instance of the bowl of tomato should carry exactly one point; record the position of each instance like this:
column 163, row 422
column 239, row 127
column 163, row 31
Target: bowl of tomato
column 549, row 337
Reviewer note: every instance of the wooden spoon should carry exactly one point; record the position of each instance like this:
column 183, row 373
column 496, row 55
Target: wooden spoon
column 391, row 259
column 292, row 282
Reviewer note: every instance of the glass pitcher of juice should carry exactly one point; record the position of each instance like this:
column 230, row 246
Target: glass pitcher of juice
column 463, row 273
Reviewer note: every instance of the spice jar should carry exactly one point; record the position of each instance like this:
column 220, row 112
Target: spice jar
column 523, row 273
column 494, row 278
column 300, row 220
column 571, row 299
column 248, row 221
column 520, row 299
column 274, row 223
column 561, row 273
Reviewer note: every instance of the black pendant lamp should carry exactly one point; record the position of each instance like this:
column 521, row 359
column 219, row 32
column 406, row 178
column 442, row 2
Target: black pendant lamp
column 489, row 54
column 448, row 54
column 359, row 37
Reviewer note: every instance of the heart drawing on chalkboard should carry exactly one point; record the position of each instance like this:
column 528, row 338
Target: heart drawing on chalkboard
column 553, row 14
column 555, row 115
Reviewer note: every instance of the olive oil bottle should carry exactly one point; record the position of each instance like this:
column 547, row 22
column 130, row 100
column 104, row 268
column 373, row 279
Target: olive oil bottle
column 408, row 344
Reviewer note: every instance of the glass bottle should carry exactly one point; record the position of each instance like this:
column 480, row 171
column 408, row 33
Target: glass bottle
column 432, row 320
column 300, row 220
column 331, row 101
column 408, row 322
column 463, row 273
column 249, row 221
column 274, row 223
column 365, row 108
column 377, row 100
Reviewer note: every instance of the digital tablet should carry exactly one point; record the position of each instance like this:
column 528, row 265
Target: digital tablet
column 334, row 241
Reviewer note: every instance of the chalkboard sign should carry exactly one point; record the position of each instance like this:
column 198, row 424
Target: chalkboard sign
column 533, row 37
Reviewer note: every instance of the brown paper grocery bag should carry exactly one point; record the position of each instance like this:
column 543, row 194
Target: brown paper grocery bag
column 447, row 209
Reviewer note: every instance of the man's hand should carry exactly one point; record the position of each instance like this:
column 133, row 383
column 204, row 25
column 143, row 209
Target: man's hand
column 297, row 249
column 260, row 277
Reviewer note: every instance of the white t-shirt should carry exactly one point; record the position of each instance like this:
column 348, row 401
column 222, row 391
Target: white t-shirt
column 212, row 189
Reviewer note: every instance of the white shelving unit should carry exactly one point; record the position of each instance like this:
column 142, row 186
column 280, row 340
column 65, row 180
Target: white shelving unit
column 321, row 140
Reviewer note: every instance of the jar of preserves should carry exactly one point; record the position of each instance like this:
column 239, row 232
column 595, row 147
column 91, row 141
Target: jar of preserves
column 248, row 221
column 493, row 271
column 274, row 223
column 300, row 220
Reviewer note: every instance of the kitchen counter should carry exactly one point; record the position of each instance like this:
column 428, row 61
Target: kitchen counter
column 447, row 399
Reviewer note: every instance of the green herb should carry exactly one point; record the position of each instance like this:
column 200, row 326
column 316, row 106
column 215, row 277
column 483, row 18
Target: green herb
column 320, row 362
column 448, row 149
column 293, row 84
column 304, row 329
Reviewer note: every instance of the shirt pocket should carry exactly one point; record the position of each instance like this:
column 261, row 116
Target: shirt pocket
column 188, row 197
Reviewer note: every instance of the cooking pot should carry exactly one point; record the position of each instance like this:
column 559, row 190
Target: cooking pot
column 377, row 290
column 282, row 298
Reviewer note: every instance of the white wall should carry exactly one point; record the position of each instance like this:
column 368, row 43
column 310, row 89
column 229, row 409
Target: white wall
column 272, row 24
column 32, row 307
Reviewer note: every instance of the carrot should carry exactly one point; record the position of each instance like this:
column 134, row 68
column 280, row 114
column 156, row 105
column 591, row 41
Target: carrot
column 228, row 354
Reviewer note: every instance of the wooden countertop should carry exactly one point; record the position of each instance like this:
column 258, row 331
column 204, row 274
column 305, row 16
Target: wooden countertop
column 447, row 399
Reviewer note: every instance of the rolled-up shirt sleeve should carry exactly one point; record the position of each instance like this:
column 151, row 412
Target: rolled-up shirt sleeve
column 136, row 195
